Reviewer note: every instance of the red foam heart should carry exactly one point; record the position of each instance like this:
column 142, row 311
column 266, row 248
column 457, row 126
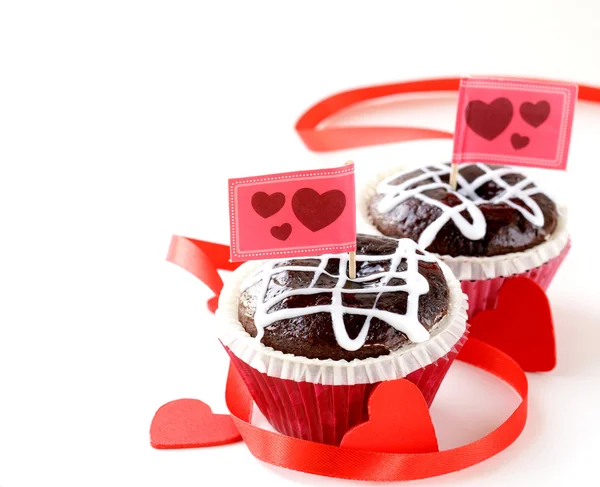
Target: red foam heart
column 399, row 422
column 190, row 423
column 521, row 325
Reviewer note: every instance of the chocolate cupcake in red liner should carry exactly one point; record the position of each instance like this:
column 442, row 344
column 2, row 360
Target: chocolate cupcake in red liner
column 497, row 225
column 311, row 344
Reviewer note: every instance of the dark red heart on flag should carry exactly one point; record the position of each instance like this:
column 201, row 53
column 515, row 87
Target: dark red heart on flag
column 190, row 423
column 535, row 115
column 489, row 120
column 316, row 211
column 267, row 205
column 519, row 141
column 521, row 325
column 399, row 422
column 282, row 232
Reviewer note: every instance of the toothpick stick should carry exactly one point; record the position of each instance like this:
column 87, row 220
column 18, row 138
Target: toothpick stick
column 352, row 264
column 453, row 175
column 352, row 261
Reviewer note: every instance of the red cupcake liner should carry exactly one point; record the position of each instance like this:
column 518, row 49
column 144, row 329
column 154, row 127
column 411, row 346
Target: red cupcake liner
column 483, row 294
column 324, row 413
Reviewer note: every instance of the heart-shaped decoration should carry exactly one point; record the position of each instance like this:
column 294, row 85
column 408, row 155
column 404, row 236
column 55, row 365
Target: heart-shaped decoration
column 521, row 325
column 535, row 115
column 399, row 422
column 190, row 423
column 316, row 211
column 489, row 120
column 281, row 232
column 519, row 141
column 267, row 205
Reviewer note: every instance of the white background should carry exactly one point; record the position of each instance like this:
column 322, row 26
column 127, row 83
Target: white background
column 120, row 122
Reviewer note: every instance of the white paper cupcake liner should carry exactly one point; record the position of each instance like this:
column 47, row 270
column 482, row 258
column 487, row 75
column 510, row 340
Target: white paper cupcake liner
column 479, row 268
column 396, row 365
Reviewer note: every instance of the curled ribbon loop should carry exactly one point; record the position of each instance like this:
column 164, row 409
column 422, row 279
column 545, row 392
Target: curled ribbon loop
column 203, row 260
column 325, row 139
column 332, row 461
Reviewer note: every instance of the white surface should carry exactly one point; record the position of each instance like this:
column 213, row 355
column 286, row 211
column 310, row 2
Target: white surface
column 120, row 122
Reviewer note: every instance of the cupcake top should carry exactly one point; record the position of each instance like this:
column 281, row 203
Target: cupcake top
column 309, row 306
column 495, row 210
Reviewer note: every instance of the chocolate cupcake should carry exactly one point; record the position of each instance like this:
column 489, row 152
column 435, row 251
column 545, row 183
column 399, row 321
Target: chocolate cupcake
column 497, row 224
column 311, row 343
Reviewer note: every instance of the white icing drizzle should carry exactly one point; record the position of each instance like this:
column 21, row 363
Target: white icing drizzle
column 470, row 200
column 415, row 285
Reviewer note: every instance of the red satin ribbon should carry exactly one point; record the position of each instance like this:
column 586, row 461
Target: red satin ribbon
column 338, row 138
column 333, row 461
column 204, row 259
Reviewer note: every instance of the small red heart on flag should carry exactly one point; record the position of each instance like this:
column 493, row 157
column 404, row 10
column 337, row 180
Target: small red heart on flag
column 282, row 232
column 316, row 211
column 399, row 422
column 535, row 115
column 267, row 205
column 521, row 325
column 519, row 141
column 190, row 423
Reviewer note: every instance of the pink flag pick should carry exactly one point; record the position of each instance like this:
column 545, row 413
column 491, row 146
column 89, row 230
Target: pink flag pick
column 292, row 214
column 514, row 122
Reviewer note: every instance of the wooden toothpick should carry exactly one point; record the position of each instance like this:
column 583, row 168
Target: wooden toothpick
column 352, row 265
column 352, row 261
column 453, row 175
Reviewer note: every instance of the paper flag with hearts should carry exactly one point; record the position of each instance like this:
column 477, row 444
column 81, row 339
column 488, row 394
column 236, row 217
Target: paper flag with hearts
column 190, row 423
column 389, row 431
column 521, row 325
column 514, row 122
column 291, row 214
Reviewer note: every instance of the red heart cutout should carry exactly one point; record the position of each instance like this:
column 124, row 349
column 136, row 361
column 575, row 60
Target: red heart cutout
column 399, row 422
column 281, row 232
column 519, row 141
column 535, row 115
column 489, row 121
column 316, row 211
column 190, row 423
column 267, row 205
column 521, row 325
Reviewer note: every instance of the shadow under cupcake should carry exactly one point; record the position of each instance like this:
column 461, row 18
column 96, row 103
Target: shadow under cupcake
column 311, row 344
